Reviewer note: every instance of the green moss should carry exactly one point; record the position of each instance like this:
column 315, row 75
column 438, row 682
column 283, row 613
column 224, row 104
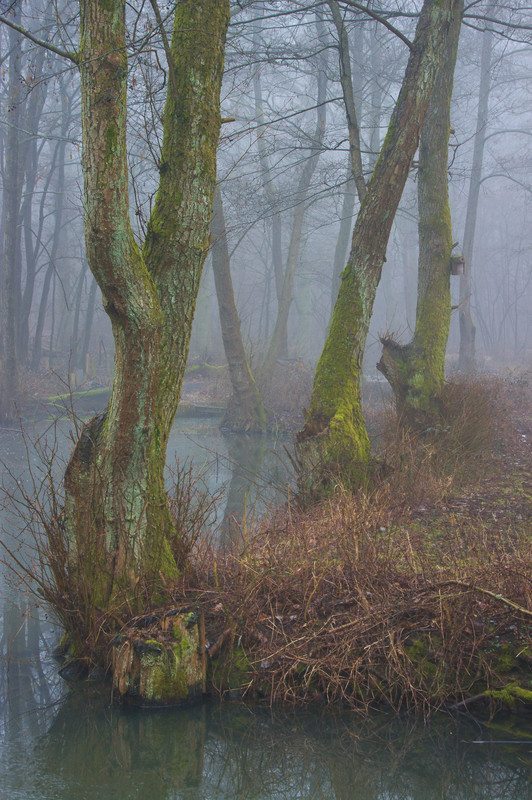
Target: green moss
column 511, row 695
column 505, row 660
column 161, row 672
column 232, row 671
column 111, row 138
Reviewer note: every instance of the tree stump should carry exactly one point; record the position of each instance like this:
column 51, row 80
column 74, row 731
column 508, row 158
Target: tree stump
column 162, row 668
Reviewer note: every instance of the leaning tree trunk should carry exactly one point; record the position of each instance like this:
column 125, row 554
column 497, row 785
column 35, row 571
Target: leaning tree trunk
column 334, row 443
column 245, row 411
column 416, row 371
column 466, row 358
column 116, row 505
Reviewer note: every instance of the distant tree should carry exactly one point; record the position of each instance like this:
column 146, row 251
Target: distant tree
column 10, row 246
column 466, row 360
column 245, row 410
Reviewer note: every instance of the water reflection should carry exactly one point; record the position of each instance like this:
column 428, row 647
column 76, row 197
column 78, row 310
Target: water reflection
column 92, row 750
column 61, row 744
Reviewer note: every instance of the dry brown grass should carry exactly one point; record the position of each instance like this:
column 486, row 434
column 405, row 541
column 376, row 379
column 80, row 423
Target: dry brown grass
column 478, row 424
column 415, row 594
column 349, row 604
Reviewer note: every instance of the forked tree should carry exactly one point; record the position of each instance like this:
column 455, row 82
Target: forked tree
column 334, row 442
column 116, row 514
column 416, row 371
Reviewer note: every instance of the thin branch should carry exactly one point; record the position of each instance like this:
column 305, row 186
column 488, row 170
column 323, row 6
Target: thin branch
column 381, row 20
column 48, row 45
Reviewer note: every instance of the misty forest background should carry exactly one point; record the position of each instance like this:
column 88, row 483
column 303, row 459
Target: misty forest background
column 287, row 194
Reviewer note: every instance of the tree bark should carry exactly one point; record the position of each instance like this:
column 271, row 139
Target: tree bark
column 416, row 371
column 466, row 358
column 245, row 410
column 342, row 242
column 348, row 92
column 334, row 442
column 116, row 509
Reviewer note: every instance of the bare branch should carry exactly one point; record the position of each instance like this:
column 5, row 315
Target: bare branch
column 381, row 20
column 48, row 45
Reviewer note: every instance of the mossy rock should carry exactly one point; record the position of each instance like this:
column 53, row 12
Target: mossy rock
column 147, row 671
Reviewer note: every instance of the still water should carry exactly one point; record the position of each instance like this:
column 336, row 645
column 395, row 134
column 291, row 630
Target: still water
column 60, row 742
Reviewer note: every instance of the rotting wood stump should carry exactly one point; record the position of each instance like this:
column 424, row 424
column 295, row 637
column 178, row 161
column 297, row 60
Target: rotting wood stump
column 160, row 667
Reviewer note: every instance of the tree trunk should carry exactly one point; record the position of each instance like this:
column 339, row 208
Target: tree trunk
column 416, row 371
column 352, row 92
column 59, row 208
column 34, row 110
column 11, row 227
column 245, row 410
column 280, row 331
column 350, row 100
column 266, row 176
column 342, row 242
column 466, row 358
column 87, row 326
column 334, row 442
column 117, row 511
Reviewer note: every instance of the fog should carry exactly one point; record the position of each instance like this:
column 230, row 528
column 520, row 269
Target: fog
column 55, row 325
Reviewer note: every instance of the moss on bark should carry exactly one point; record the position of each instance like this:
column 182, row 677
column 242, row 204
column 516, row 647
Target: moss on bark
column 416, row 372
column 152, row 672
column 116, row 513
column 334, row 440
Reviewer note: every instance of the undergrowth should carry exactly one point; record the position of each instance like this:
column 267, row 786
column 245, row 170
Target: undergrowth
column 414, row 594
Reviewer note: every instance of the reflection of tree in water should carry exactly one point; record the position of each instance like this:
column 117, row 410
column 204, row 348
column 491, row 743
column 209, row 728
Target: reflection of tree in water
column 29, row 684
column 256, row 480
column 231, row 751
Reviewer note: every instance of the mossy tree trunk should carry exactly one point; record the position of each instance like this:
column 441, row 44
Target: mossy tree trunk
column 334, row 442
column 117, row 513
column 245, row 410
column 416, row 371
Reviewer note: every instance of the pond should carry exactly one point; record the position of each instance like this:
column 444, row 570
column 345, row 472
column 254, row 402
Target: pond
column 68, row 742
